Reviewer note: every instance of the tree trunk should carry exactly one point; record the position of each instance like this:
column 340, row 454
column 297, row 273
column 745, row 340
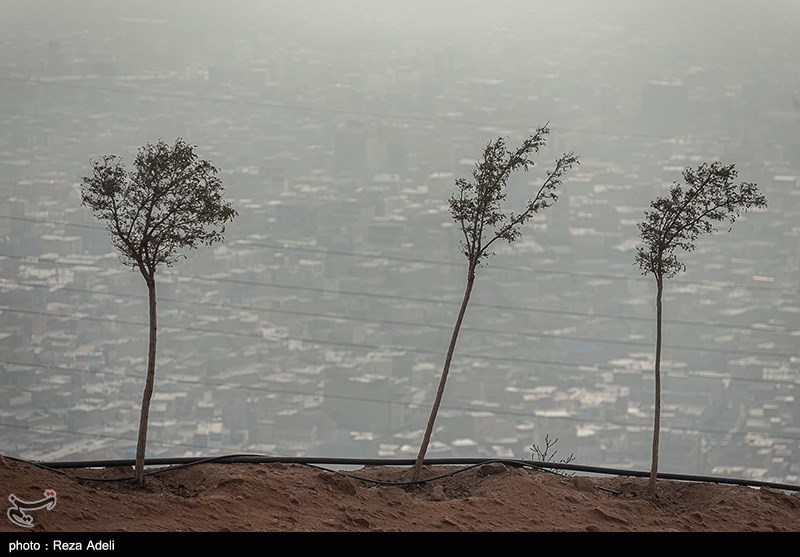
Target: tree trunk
column 445, row 370
column 148, row 384
column 651, row 486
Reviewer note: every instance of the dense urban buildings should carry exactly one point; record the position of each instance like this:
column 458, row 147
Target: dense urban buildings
column 319, row 327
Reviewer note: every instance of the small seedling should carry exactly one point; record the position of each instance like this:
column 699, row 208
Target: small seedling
column 544, row 455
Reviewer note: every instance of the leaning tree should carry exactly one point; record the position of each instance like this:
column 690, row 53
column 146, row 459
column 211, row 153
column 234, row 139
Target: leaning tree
column 171, row 200
column 477, row 208
column 675, row 221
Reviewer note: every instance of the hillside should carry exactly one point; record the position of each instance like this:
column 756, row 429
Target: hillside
column 494, row 497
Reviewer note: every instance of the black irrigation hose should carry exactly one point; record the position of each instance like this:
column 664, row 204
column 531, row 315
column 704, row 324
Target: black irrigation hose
column 531, row 464
column 180, row 462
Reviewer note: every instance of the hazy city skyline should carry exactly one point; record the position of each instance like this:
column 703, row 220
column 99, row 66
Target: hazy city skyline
column 319, row 327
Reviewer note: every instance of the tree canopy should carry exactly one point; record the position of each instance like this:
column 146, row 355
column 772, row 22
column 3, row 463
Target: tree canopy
column 477, row 206
column 171, row 200
column 677, row 220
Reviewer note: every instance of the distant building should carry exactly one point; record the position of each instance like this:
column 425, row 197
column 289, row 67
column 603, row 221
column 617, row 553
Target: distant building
column 665, row 107
column 349, row 150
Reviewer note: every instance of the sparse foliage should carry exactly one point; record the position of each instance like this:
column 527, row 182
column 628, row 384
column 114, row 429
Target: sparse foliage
column 171, row 200
column 709, row 195
column 544, row 455
column 477, row 208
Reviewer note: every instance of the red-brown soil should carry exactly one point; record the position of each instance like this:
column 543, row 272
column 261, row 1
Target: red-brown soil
column 494, row 497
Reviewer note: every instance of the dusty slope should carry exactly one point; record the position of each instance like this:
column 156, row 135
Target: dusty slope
column 214, row 497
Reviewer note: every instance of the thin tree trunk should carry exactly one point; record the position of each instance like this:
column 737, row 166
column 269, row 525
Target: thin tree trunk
column 445, row 370
column 148, row 385
column 651, row 486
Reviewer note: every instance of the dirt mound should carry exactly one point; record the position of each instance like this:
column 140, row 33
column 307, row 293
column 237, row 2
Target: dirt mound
column 494, row 497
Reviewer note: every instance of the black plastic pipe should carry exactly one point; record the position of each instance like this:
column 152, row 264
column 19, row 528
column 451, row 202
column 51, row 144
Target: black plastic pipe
column 334, row 461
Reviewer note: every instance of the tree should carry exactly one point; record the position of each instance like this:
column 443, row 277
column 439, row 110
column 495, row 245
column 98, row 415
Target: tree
column 477, row 209
column 676, row 221
column 172, row 200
